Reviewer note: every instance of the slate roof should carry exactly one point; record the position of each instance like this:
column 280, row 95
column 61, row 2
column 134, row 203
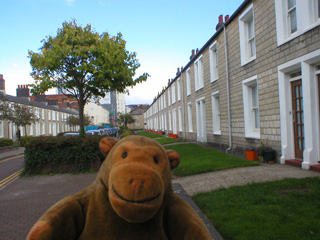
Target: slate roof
column 26, row 101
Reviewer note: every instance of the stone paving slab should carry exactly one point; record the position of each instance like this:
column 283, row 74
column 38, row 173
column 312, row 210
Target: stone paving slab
column 240, row 176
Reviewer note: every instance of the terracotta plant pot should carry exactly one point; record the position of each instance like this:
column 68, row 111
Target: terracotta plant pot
column 252, row 155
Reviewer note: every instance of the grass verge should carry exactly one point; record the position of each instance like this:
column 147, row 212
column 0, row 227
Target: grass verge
column 159, row 138
column 196, row 159
column 286, row 209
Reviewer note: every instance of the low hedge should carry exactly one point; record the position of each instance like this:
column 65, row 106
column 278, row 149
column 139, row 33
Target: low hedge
column 6, row 142
column 62, row 154
column 25, row 140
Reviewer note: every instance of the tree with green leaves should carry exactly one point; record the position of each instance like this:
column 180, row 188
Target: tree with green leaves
column 5, row 109
column 83, row 63
column 125, row 119
column 22, row 116
column 75, row 121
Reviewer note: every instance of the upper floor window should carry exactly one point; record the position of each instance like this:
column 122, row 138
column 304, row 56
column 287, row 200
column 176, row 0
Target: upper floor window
column 295, row 17
column 178, row 90
column 247, row 36
column 213, row 57
column 188, row 82
column 169, row 102
column 292, row 16
column 198, row 73
column 173, row 91
column 251, row 108
column 216, row 113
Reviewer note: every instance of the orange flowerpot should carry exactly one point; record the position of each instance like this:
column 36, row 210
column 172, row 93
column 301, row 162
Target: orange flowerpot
column 252, row 155
column 175, row 136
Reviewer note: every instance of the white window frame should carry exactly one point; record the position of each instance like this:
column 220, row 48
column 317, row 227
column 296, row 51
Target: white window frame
column 250, row 130
column 31, row 129
column 1, row 129
column 170, row 121
column 307, row 17
column 178, row 89
column 169, row 102
column 42, row 112
column 198, row 73
column 179, row 119
column 213, row 58
column 188, row 80
column 173, row 91
column 190, row 117
column 49, row 114
column 246, row 53
column 215, row 100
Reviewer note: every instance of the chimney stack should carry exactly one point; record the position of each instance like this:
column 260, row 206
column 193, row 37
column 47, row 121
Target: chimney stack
column 2, row 84
column 226, row 18
column 192, row 54
column 23, row 91
column 220, row 23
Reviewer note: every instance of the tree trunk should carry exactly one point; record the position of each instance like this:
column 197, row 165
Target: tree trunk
column 81, row 110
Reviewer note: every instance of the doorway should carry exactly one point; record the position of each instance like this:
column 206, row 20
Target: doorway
column 201, row 120
column 298, row 118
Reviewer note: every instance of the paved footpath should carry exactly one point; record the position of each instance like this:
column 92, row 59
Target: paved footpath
column 240, row 176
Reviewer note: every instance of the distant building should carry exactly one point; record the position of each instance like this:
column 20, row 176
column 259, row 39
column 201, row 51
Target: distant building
column 98, row 114
column 115, row 103
column 137, row 115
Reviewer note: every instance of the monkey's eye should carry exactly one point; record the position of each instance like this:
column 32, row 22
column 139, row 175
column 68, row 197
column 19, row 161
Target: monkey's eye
column 124, row 154
column 155, row 159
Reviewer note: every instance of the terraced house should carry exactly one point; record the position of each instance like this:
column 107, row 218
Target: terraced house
column 50, row 120
column 256, row 80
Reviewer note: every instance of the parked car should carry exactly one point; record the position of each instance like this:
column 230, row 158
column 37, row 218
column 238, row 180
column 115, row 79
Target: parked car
column 93, row 132
column 71, row 134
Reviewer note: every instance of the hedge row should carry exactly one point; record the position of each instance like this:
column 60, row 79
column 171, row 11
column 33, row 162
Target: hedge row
column 62, row 154
column 6, row 142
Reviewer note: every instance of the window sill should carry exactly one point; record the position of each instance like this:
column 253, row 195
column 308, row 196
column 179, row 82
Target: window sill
column 218, row 133
column 214, row 80
column 248, row 61
column 253, row 135
column 199, row 89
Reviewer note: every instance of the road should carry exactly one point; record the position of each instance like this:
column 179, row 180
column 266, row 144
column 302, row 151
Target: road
column 10, row 169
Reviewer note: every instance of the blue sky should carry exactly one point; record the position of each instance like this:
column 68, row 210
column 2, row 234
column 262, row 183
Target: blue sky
column 162, row 33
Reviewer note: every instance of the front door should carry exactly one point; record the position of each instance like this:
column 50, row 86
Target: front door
column 297, row 117
column 201, row 121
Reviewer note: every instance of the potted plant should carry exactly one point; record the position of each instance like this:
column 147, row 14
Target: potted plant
column 267, row 153
column 251, row 154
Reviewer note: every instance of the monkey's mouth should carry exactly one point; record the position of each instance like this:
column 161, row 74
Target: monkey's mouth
column 135, row 201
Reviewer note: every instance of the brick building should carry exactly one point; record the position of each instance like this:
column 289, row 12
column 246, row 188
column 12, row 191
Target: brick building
column 255, row 80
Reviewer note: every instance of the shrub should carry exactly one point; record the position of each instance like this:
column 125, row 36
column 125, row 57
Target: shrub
column 62, row 154
column 25, row 140
column 6, row 142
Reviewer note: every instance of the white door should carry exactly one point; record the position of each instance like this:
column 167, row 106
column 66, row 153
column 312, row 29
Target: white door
column 174, row 122
column 201, row 120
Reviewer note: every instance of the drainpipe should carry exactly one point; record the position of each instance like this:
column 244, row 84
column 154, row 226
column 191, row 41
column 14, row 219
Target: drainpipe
column 182, row 106
column 228, row 90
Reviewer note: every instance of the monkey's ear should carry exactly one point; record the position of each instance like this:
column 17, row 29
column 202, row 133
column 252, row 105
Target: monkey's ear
column 106, row 144
column 174, row 158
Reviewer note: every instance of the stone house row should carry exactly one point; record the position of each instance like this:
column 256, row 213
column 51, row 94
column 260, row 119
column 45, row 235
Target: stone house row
column 256, row 80
column 51, row 120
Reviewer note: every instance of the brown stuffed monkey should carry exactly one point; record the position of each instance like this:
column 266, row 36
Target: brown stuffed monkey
column 131, row 198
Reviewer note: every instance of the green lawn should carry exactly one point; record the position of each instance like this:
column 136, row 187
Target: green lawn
column 159, row 138
column 150, row 135
column 280, row 210
column 195, row 159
